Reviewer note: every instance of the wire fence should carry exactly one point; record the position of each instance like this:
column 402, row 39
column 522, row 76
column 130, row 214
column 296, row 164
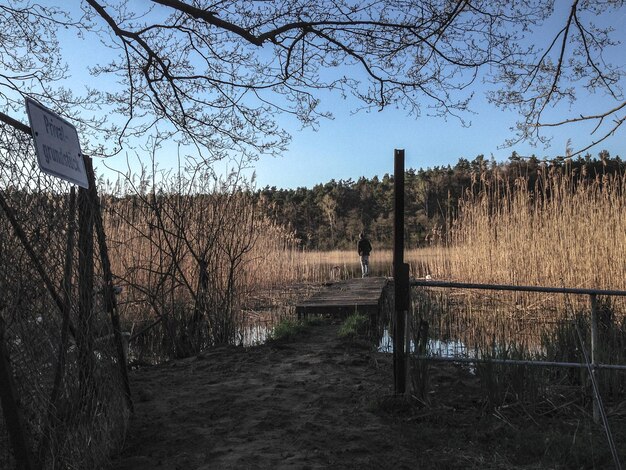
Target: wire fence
column 59, row 349
column 520, row 327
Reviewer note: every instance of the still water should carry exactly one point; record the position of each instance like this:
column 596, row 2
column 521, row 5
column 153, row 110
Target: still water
column 435, row 347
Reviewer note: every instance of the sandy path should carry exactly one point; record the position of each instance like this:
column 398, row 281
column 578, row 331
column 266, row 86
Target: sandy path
column 308, row 404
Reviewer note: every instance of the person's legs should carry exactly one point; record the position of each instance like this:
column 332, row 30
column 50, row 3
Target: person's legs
column 365, row 267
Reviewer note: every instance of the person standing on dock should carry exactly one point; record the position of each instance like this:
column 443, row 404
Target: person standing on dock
column 364, row 247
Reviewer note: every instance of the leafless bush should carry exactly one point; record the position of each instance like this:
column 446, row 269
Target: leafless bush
column 181, row 248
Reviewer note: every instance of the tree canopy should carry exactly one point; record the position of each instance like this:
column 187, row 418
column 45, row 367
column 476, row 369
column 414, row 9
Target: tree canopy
column 214, row 74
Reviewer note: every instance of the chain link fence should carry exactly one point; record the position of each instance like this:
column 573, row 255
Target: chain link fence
column 58, row 338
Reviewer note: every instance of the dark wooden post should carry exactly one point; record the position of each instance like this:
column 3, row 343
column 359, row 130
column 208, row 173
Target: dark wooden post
column 11, row 410
column 67, row 298
column 400, row 277
column 65, row 326
column 109, row 295
column 84, row 337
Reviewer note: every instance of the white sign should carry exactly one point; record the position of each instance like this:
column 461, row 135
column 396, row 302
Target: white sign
column 56, row 144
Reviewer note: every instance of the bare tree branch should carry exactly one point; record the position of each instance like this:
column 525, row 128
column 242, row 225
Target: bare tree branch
column 212, row 75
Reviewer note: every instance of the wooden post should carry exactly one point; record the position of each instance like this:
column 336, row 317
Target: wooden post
column 400, row 276
column 109, row 296
column 67, row 297
column 84, row 338
column 594, row 353
column 407, row 340
column 11, row 410
column 67, row 300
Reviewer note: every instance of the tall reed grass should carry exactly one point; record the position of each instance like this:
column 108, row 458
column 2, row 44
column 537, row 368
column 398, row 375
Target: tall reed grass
column 568, row 229
column 207, row 267
column 190, row 262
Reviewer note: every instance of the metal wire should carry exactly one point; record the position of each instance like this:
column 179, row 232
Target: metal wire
column 596, row 389
column 586, row 364
column 74, row 421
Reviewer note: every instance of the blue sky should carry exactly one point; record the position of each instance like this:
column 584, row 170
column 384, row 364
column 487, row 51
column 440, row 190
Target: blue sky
column 351, row 146
column 362, row 144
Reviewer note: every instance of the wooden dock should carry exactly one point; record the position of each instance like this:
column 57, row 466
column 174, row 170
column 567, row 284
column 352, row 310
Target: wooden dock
column 343, row 298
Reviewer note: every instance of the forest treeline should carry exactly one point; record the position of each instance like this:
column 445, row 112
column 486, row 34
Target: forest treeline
column 331, row 215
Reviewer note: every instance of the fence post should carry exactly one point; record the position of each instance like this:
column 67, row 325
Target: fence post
column 400, row 276
column 67, row 300
column 85, row 332
column 11, row 409
column 109, row 295
column 594, row 353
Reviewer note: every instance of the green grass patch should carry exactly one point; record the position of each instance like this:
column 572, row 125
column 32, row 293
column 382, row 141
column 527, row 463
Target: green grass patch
column 354, row 325
column 288, row 328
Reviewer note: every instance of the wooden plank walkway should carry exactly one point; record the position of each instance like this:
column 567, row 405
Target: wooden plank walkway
column 346, row 297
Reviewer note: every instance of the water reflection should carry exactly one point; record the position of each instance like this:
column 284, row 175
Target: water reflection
column 255, row 333
column 436, row 347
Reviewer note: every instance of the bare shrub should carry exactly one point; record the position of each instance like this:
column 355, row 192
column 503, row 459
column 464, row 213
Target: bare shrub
column 188, row 250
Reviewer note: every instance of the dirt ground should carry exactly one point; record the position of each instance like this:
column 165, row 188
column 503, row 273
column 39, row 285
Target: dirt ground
column 321, row 402
column 308, row 403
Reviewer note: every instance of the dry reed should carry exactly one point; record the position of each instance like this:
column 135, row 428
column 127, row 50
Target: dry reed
column 567, row 230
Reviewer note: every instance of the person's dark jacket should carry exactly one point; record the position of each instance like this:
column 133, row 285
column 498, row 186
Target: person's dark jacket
column 364, row 247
